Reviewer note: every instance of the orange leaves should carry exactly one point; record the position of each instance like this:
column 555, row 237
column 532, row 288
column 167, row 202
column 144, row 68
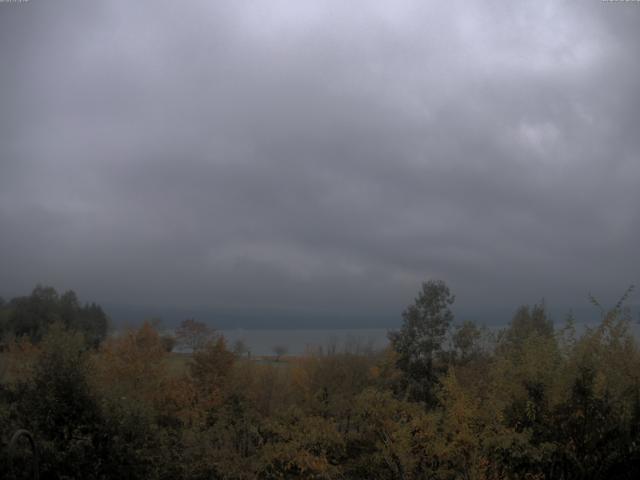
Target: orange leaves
column 132, row 365
column 302, row 446
column 210, row 367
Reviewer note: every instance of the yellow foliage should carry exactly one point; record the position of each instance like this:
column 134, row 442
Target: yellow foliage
column 133, row 366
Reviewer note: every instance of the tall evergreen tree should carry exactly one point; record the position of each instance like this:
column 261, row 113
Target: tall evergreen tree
column 419, row 343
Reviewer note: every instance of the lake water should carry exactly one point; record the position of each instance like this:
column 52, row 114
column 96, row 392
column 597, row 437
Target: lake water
column 297, row 342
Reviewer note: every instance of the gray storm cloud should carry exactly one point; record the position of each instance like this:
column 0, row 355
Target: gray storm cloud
column 326, row 156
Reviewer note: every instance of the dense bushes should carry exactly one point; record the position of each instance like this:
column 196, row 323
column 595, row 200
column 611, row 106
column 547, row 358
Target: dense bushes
column 530, row 402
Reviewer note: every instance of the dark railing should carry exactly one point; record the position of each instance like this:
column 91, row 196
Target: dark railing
column 13, row 445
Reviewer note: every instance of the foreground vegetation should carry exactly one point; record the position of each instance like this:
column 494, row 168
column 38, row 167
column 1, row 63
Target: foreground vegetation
column 442, row 402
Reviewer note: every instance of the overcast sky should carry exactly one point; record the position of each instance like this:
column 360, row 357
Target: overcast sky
column 320, row 157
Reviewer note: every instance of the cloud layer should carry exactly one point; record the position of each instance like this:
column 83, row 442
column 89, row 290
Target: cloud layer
column 319, row 156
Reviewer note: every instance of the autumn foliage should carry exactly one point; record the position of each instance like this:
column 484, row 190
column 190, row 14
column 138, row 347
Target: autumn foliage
column 443, row 401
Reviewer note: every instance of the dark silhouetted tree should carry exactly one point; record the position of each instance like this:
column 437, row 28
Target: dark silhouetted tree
column 419, row 343
column 279, row 350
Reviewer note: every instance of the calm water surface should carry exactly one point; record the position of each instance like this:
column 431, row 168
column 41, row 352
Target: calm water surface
column 298, row 342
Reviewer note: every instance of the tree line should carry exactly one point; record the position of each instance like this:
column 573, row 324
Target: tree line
column 31, row 316
column 445, row 400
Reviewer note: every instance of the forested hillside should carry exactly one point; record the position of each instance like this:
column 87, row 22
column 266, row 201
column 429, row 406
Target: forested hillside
column 446, row 400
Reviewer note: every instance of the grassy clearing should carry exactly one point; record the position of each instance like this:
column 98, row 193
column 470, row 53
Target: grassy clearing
column 178, row 363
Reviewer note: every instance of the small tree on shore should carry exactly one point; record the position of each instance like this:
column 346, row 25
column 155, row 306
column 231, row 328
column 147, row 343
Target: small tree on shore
column 279, row 350
column 240, row 348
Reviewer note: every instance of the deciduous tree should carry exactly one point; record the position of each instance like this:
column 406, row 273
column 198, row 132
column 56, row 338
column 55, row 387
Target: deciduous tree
column 193, row 335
